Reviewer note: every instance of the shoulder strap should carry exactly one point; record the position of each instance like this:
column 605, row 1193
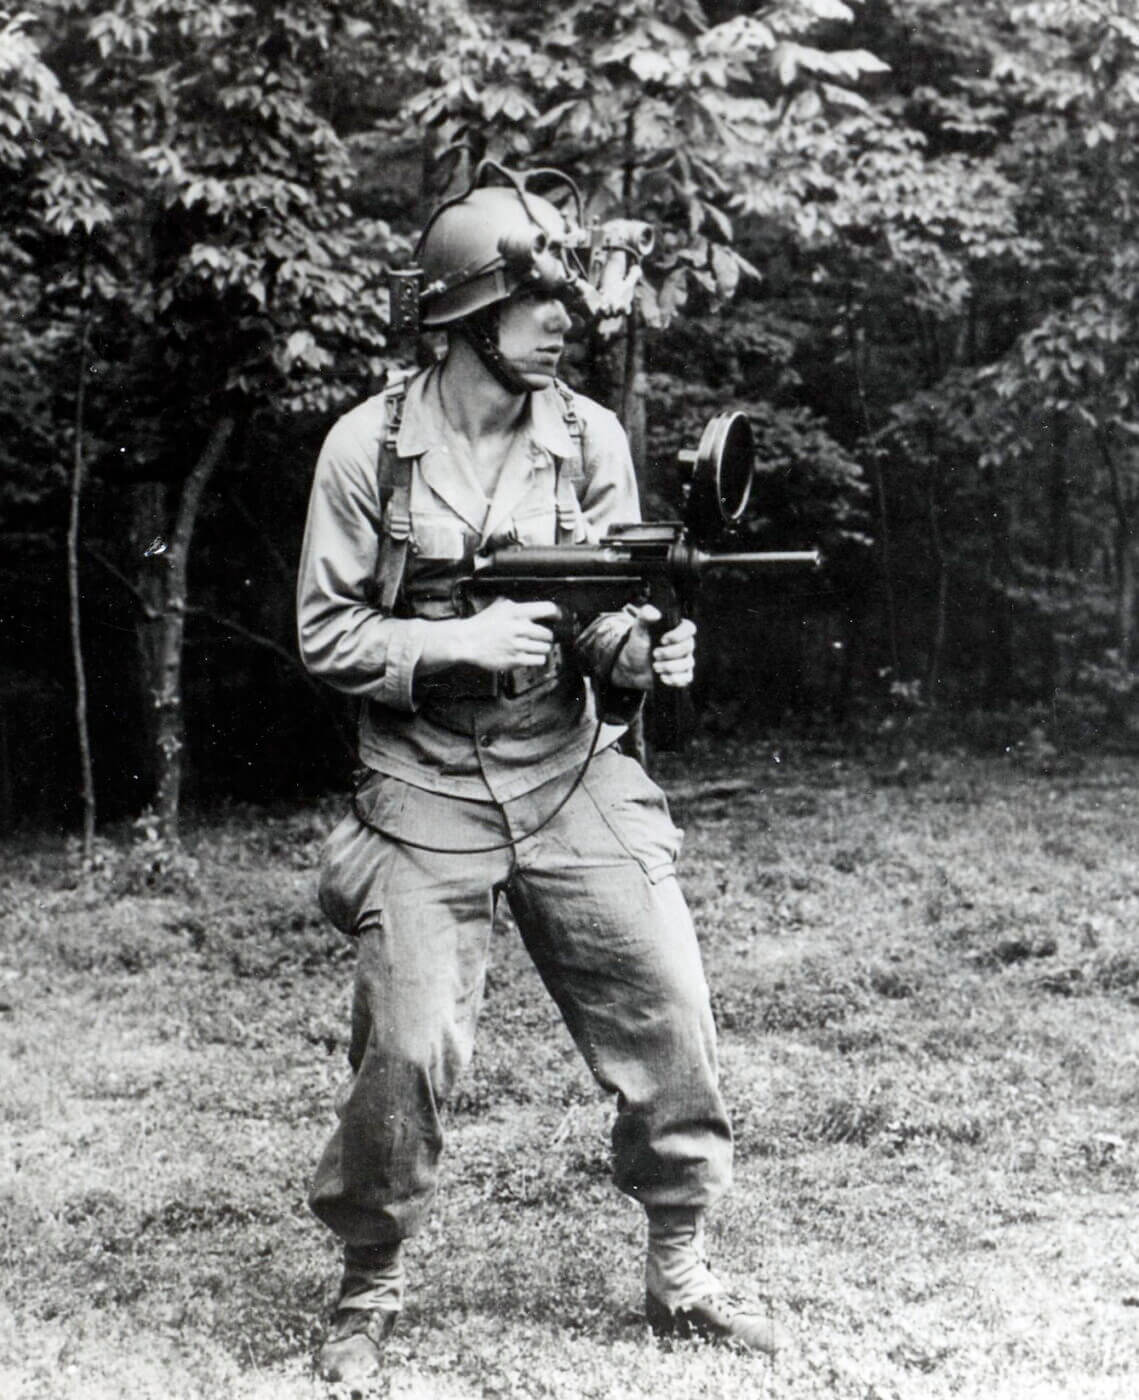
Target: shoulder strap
column 573, row 467
column 394, row 395
column 570, row 471
column 394, row 474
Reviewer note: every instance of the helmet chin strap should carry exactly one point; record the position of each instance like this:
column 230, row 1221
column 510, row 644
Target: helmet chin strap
column 481, row 333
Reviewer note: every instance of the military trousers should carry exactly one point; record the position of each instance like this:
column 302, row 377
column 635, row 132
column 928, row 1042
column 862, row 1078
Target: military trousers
column 595, row 897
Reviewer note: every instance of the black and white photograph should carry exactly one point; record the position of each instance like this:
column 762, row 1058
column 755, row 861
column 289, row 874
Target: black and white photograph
column 569, row 700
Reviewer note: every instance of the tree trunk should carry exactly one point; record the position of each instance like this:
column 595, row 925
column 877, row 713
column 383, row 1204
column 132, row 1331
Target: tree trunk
column 148, row 541
column 662, row 713
column 6, row 803
column 1125, row 505
column 1125, row 592
column 941, row 608
column 632, row 416
column 632, row 410
column 164, row 681
column 885, row 560
column 999, row 662
column 1059, row 549
column 78, row 476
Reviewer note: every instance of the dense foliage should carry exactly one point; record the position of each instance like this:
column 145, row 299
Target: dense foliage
column 900, row 234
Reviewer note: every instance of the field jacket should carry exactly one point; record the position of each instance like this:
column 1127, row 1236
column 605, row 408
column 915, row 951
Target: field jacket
column 462, row 732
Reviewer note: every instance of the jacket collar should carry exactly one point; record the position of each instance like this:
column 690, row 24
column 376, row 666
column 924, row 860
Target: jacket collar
column 542, row 438
column 548, row 423
column 422, row 434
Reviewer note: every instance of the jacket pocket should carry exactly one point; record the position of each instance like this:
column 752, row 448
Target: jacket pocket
column 438, row 538
column 356, row 859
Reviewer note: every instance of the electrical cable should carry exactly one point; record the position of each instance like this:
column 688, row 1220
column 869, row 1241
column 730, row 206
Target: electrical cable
column 499, row 846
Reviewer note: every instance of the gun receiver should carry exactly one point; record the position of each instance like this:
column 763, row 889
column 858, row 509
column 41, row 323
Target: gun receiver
column 658, row 562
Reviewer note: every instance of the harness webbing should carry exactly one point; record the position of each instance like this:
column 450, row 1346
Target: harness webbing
column 395, row 502
column 394, row 473
column 569, row 486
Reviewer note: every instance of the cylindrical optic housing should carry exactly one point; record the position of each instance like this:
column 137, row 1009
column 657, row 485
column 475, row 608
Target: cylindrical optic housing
column 722, row 468
column 633, row 234
column 523, row 245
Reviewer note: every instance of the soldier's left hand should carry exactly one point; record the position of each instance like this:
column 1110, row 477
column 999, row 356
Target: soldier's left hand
column 671, row 661
column 674, row 656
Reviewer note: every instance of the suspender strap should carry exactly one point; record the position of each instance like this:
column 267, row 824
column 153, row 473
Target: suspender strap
column 396, row 536
column 570, row 473
column 395, row 498
column 395, row 492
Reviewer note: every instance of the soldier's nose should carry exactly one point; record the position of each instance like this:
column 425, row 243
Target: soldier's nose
column 557, row 318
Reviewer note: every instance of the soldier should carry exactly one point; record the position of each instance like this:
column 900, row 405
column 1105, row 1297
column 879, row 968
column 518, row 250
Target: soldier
column 491, row 766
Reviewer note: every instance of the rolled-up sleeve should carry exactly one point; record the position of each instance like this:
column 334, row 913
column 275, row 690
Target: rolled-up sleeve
column 343, row 637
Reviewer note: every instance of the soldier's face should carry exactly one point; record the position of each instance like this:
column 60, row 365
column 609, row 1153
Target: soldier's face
column 532, row 335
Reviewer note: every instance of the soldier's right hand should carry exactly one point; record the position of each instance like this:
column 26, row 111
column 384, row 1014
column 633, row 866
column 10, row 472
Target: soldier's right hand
column 507, row 634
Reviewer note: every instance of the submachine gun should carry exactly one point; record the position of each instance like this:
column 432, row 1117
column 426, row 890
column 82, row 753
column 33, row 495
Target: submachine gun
column 658, row 562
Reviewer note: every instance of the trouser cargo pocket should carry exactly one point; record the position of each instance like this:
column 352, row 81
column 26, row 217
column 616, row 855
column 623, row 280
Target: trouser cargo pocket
column 356, row 857
column 636, row 811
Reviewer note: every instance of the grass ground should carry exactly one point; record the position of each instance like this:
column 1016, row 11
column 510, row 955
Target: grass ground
column 927, row 984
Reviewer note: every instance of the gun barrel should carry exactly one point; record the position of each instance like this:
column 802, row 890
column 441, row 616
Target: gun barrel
column 628, row 558
column 776, row 559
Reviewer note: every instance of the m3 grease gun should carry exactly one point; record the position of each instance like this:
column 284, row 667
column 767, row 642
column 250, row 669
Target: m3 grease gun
column 658, row 562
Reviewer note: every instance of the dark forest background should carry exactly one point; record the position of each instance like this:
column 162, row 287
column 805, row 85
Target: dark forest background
column 900, row 234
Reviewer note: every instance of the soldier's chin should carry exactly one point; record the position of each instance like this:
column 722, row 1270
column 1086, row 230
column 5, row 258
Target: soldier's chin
column 539, row 372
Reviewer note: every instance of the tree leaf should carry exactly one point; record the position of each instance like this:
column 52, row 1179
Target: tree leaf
column 652, row 67
column 673, row 294
column 726, row 268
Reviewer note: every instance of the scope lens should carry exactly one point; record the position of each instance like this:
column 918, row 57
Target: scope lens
column 737, row 461
column 721, row 476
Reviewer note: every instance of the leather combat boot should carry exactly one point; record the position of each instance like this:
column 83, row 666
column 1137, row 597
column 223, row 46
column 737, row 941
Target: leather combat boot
column 685, row 1299
column 353, row 1347
column 367, row 1309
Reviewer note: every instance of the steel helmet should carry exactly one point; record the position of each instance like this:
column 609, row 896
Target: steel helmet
column 483, row 245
